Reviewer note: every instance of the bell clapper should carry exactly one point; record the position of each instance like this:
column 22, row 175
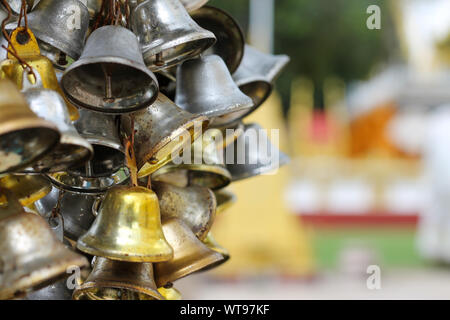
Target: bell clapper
column 159, row 62
column 108, row 84
column 89, row 169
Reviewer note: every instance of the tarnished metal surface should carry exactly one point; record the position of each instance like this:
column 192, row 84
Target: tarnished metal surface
column 230, row 37
column 111, row 76
column 56, row 291
column 167, row 34
column 27, row 188
column 118, row 280
column 127, row 228
column 190, row 254
column 205, row 87
column 195, row 206
column 163, row 129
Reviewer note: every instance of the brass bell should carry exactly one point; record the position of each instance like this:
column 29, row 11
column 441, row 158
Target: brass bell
column 162, row 130
column 119, row 280
column 170, row 293
column 60, row 27
column 24, row 137
column 110, row 76
column 167, row 34
column 225, row 199
column 190, row 254
column 27, row 48
column 230, row 43
column 195, row 206
column 257, row 74
column 127, row 228
column 72, row 149
column 27, row 188
column 249, row 159
column 205, row 87
column 31, row 254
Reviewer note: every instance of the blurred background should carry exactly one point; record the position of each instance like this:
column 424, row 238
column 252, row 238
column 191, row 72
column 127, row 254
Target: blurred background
column 365, row 117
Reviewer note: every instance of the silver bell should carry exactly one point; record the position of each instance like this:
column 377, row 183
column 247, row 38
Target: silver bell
column 247, row 158
column 110, row 76
column 56, row 291
column 60, row 28
column 167, row 33
column 230, row 43
column 205, row 87
column 162, row 130
column 72, row 149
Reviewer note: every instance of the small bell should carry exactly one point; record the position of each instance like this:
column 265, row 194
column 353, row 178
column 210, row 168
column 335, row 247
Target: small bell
column 110, row 76
column 257, row 74
column 249, row 158
column 167, row 33
column 119, row 280
column 31, row 254
column 72, row 149
column 127, row 228
column 230, row 43
column 60, row 27
column 24, row 137
column 27, row 188
column 225, row 199
column 205, row 87
column 195, row 206
column 190, row 254
column 170, row 293
column 162, row 130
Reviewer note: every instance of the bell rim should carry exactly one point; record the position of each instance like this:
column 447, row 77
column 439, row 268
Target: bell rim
column 88, row 286
column 38, row 194
column 260, row 102
column 59, row 45
column 281, row 63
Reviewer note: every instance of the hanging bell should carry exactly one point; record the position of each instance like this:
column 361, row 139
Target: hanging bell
column 230, row 43
column 107, row 167
column 249, row 158
column 27, row 188
column 16, row 5
column 190, row 254
column 162, row 130
column 127, row 228
column 110, row 76
column 257, row 74
column 27, row 48
column 119, row 280
column 205, row 87
column 31, row 254
column 195, row 206
column 167, row 33
column 170, row 293
column 204, row 165
column 24, row 137
column 60, row 27
column 225, row 199
column 72, row 150
column 56, row 291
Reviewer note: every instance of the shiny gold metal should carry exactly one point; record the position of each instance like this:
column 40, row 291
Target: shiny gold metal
column 119, row 280
column 190, row 254
column 225, row 199
column 31, row 256
column 170, row 293
column 30, row 53
column 195, row 206
column 27, row 188
column 127, row 228
column 23, row 136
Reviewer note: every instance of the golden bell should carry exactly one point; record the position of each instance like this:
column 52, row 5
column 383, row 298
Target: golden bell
column 195, row 206
column 30, row 53
column 190, row 254
column 23, row 136
column 225, row 199
column 27, row 188
column 170, row 293
column 118, row 280
column 127, row 228
column 31, row 256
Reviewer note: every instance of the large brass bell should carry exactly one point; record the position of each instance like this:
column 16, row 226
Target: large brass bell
column 60, row 27
column 24, row 137
column 205, row 87
column 190, row 254
column 119, row 280
column 230, row 43
column 195, row 206
column 27, row 48
column 31, row 254
column 110, row 76
column 162, row 130
column 127, row 228
column 27, row 188
column 167, row 33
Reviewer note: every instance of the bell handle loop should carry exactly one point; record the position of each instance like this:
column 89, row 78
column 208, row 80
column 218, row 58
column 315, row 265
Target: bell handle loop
column 24, row 42
column 96, row 205
column 9, row 204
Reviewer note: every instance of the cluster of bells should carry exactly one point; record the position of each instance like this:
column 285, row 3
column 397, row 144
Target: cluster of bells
column 65, row 194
